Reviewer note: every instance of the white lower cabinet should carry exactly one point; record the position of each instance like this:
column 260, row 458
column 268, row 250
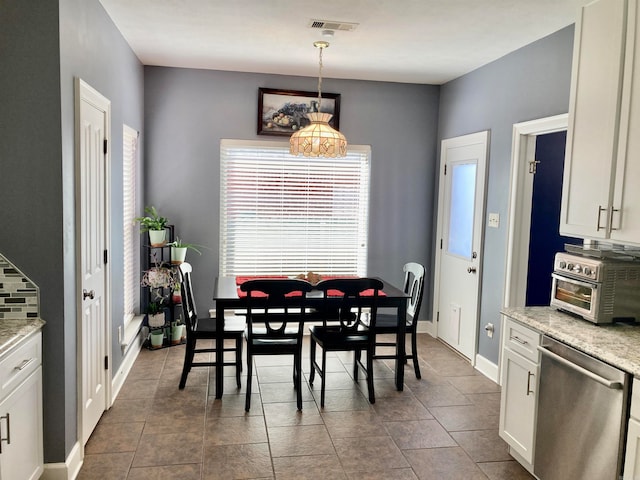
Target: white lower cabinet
column 518, row 402
column 21, row 449
column 632, row 453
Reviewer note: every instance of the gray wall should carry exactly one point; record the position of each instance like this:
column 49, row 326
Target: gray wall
column 37, row 164
column 187, row 112
column 531, row 83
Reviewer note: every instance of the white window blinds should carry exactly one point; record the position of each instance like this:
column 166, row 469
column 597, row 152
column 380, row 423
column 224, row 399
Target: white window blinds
column 281, row 214
column 131, row 244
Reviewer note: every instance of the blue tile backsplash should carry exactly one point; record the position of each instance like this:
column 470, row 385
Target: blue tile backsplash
column 19, row 296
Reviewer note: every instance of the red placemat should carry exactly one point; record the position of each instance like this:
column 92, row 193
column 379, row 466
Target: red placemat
column 332, row 293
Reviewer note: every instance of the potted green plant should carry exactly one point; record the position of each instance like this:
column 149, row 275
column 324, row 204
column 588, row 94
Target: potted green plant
column 155, row 224
column 155, row 314
column 158, row 277
column 176, row 294
column 179, row 250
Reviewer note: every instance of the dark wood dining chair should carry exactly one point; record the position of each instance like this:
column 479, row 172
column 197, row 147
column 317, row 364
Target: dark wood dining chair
column 205, row 329
column 276, row 311
column 387, row 323
column 346, row 331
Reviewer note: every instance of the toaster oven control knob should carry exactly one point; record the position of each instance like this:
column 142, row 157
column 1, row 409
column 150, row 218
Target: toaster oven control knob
column 577, row 269
column 570, row 266
column 587, row 271
column 562, row 264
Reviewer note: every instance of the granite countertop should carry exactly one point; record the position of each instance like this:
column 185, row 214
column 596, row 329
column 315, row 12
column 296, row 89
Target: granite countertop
column 12, row 331
column 616, row 344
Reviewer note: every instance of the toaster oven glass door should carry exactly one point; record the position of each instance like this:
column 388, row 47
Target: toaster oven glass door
column 574, row 295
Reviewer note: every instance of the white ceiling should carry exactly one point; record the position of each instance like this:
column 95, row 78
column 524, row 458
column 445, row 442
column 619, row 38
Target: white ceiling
column 410, row 41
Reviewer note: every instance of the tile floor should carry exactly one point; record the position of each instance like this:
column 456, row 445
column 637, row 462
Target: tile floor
column 444, row 426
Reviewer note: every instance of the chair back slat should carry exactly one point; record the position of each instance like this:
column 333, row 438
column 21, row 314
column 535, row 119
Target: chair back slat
column 274, row 304
column 353, row 303
column 414, row 286
column 188, row 302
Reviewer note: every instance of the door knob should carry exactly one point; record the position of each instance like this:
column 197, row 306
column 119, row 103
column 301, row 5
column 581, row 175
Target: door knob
column 91, row 294
column 471, row 269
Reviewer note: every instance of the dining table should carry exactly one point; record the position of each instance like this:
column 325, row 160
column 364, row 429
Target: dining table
column 227, row 297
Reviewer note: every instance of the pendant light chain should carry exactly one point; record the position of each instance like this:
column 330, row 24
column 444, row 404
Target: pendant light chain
column 320, row 79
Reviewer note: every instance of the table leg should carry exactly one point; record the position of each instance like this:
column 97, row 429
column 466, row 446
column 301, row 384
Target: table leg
column 401, row 349
column 219, row 351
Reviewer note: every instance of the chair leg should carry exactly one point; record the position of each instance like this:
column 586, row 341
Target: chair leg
column 372, row 397
column 247, row 403
column 238, row 360
column 323, row 375
column 188, row 360
column 312, row 355
column 414, row 354
column 295, row 371
column 356, row 361
column 297, row 361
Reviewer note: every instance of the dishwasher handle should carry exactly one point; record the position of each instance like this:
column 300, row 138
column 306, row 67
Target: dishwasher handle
column 606, row 382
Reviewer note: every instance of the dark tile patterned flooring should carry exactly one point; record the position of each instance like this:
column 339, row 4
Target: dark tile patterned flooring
column 444, row 426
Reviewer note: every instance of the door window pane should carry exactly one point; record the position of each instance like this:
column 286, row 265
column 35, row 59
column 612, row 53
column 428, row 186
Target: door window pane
column 463, row 192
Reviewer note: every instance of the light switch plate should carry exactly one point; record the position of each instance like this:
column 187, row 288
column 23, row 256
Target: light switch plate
column 494, row 220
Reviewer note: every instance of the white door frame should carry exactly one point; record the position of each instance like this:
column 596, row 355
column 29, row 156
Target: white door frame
column 473, row 137
column 84, row 92
column 520, row 200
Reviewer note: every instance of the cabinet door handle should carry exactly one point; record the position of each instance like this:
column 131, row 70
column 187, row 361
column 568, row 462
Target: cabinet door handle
column 611, row 218
column 8, row 439
column 519, row 340
column 24, row 364
column 600, row 210
column 529, row 375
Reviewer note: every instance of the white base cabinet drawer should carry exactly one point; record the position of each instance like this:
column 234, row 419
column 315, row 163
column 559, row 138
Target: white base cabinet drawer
column 522, row 340
column 19, row 364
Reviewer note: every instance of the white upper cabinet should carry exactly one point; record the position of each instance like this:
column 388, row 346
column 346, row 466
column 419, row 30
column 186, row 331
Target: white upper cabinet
column 601, row 187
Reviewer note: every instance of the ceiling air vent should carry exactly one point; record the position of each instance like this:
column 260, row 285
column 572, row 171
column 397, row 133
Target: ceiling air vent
column 332, row 25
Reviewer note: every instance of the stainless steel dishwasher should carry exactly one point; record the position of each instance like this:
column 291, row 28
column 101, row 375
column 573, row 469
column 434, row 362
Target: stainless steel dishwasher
column 582, row 414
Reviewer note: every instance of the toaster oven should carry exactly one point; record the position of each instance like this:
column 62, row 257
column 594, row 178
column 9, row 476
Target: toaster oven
column 600, row 290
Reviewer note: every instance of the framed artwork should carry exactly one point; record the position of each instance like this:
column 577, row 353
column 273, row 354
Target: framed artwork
column 282, row 112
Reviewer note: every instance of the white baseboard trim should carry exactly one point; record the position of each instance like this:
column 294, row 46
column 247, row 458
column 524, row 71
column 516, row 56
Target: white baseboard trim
column 64, row 471
column 134, row 347
column 487, row 368
column 427, row 326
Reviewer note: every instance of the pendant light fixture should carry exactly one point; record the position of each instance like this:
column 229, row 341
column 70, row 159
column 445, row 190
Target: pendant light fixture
column 318, row 139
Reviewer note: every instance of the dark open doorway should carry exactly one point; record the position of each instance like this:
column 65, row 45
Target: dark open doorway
column 544, row 237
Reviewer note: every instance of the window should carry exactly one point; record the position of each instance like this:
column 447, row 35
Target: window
column 281, row 214
column 131, row 245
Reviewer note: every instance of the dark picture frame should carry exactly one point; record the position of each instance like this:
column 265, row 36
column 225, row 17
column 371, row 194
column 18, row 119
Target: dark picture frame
column 283, row 112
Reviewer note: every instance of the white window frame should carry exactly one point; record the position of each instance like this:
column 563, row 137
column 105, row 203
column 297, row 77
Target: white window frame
column 332, row 239
column 131, row 239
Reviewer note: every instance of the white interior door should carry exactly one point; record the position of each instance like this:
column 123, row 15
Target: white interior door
column 91, row 209
column 460, row 222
